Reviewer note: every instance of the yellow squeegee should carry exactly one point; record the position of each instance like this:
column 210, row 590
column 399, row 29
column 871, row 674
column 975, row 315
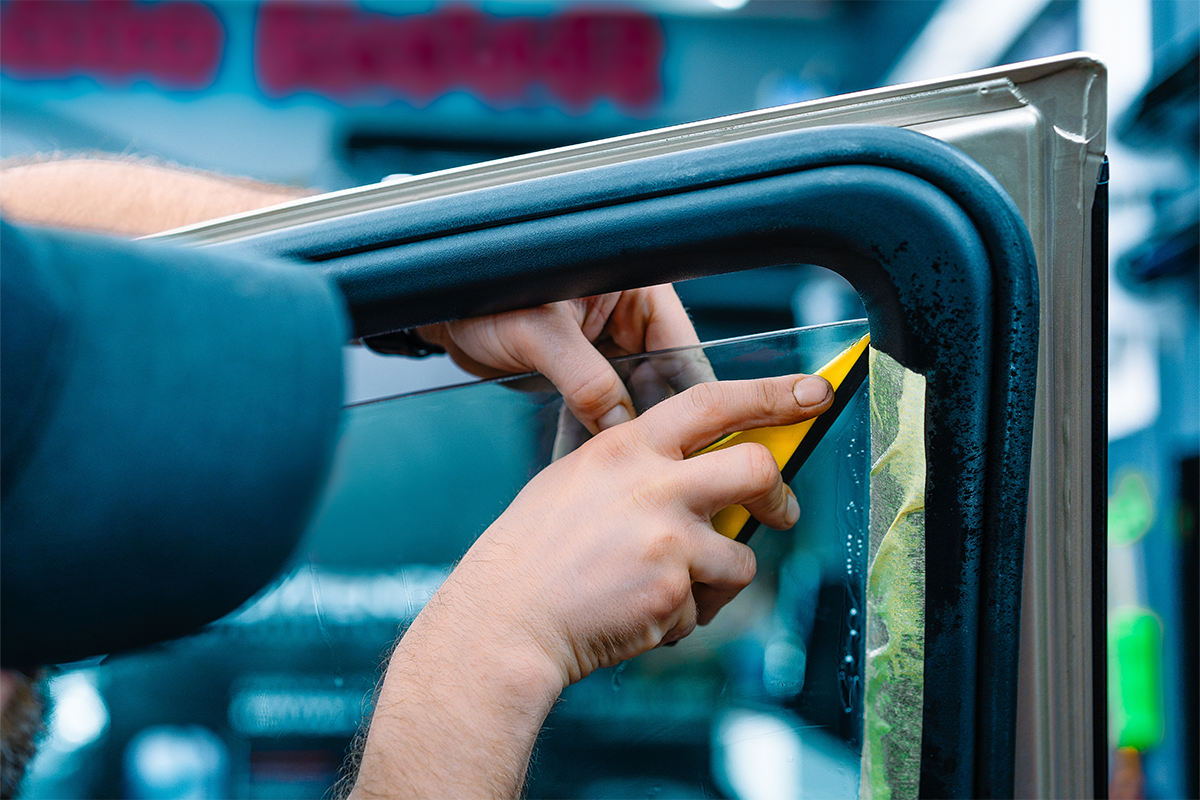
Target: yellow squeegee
column 792, row 444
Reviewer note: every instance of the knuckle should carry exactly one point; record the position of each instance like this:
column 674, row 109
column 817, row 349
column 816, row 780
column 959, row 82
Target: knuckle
column 526, row 329
column 761, row 469
column 745, row 565
column 652, row 495
column 624, row 445
column 705, row 398
column 686, row 626
column 672, row 592
column 595, row 391
column 767, row 398
column 663, row 547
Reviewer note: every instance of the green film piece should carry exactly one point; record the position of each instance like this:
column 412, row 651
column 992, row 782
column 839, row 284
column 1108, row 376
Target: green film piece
column 1130, row 510
column 895, row 583
column 1135, row 698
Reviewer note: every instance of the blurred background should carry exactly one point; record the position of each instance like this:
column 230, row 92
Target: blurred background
column 330, row 96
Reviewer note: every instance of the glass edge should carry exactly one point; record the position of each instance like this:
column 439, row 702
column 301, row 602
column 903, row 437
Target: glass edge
column 617, row 360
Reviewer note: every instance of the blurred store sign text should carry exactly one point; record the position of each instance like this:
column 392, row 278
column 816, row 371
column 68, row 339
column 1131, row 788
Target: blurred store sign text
column 344, row 53
column 572, row 59
column 172, row 45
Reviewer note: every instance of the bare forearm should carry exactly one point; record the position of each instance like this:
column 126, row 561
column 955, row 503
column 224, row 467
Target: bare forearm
column 458, row 713
column 125, row 196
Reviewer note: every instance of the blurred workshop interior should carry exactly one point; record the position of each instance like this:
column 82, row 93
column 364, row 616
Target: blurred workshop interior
column 330, row 96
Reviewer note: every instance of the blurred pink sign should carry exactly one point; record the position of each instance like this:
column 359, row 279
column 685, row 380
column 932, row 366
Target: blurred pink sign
column 571, row 59
column 172, row 45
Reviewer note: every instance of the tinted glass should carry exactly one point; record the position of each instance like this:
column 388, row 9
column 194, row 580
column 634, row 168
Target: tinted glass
column 766, row 701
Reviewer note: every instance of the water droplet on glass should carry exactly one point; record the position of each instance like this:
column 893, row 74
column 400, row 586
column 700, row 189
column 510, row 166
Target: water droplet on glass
column 339, row 681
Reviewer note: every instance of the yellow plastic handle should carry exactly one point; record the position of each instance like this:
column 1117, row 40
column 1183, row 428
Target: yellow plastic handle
column 782, row 441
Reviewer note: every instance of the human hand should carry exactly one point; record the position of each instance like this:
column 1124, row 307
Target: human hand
column 610, row 551
column 569, row 343
column 607, row 553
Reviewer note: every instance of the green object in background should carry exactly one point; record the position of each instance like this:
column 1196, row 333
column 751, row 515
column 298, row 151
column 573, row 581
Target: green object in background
column 1135, row 698
column 1130, row 510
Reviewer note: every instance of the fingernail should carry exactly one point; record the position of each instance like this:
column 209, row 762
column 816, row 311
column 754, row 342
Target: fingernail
column 793, row 508
column 811, row 391
column 614, row 417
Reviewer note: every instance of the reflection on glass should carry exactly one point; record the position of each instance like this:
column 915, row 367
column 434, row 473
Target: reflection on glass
column 765, row 702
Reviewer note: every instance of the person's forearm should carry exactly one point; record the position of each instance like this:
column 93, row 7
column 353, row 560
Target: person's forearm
column 459, row 710
column 126, row 196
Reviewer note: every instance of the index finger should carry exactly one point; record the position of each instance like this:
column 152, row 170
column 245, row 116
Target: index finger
column 704, row 413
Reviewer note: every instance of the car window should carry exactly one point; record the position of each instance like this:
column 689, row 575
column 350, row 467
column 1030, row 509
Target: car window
column 767, row 701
